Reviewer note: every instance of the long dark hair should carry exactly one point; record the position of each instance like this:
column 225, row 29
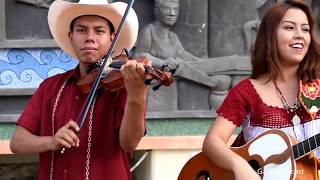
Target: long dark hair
column 264, row 57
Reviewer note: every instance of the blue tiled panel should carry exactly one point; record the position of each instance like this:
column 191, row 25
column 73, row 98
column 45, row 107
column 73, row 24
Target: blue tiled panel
column 27, row 68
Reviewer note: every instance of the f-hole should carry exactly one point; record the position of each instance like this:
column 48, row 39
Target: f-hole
column 204, row 174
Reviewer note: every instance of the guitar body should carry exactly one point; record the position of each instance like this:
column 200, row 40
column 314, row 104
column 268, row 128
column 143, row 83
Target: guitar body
column 269, row 154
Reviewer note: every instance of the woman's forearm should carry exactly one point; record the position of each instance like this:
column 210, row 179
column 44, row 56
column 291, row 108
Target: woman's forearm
column 219, row 153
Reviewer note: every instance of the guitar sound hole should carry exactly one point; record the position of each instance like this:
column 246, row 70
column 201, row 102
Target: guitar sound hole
column 255, row 165
column 203, row 175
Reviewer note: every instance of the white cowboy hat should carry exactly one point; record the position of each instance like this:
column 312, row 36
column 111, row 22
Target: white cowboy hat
column 61, row 14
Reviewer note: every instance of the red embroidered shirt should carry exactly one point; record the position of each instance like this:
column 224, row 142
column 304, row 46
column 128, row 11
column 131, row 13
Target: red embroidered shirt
column 108, row 160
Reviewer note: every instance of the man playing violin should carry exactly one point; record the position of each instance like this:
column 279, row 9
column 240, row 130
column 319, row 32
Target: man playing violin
column 116, row 120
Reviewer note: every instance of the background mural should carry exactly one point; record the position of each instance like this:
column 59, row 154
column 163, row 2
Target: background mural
column 27, row 68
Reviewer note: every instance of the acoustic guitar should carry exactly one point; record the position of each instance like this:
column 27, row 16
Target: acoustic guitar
column 274, row 155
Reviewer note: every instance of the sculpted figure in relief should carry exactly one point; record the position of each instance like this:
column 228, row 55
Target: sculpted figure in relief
column 162, row 46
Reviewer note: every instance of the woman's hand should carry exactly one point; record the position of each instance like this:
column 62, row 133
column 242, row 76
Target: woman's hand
column 243, row 171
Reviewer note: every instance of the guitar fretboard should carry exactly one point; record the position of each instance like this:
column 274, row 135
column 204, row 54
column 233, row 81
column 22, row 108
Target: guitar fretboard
column 306, row 146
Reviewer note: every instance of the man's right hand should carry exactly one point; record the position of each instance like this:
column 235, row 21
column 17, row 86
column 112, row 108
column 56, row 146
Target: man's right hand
column 66, row 137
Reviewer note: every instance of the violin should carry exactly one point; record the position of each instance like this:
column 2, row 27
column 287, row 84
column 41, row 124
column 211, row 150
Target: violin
column 112, row 79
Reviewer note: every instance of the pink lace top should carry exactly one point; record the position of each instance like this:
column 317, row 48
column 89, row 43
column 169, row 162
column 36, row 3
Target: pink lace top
column 244, row 107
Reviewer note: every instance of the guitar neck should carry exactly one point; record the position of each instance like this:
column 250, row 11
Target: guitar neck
column 306, row 146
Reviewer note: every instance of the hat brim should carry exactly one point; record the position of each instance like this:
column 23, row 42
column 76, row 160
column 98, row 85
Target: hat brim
column 61, row 14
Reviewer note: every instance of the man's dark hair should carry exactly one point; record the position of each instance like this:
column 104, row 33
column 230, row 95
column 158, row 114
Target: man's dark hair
column 109, row 23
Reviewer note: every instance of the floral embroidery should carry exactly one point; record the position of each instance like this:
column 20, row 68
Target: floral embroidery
column 310, row 97
column 311, row 90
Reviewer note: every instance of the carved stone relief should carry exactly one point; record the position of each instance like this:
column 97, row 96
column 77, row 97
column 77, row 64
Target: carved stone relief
column 195, row 88
column 41, row 3
column 250, row 28
column 315, row 5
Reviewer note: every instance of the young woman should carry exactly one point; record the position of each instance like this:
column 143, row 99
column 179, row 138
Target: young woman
column 285, row 53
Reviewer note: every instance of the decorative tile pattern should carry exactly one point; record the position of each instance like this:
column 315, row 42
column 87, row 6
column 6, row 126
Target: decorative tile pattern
column 27, row 68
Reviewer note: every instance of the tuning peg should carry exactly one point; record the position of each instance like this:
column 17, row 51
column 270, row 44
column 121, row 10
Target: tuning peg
column 163, row 67
column 172, row 71
column 148, row 81
column 156, row 87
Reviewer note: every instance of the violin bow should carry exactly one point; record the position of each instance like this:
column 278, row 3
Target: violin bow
column 90, row 98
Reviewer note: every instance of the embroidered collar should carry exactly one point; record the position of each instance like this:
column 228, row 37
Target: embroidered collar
column 310, row 97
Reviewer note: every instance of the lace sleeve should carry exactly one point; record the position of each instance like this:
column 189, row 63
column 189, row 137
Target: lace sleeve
column 235, row 107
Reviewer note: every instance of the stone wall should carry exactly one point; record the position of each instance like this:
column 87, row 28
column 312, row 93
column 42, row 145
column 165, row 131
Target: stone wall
column 18, row 167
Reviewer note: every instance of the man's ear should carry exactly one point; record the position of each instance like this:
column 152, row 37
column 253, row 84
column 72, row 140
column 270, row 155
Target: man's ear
column 112, row 36
column 70, row 35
